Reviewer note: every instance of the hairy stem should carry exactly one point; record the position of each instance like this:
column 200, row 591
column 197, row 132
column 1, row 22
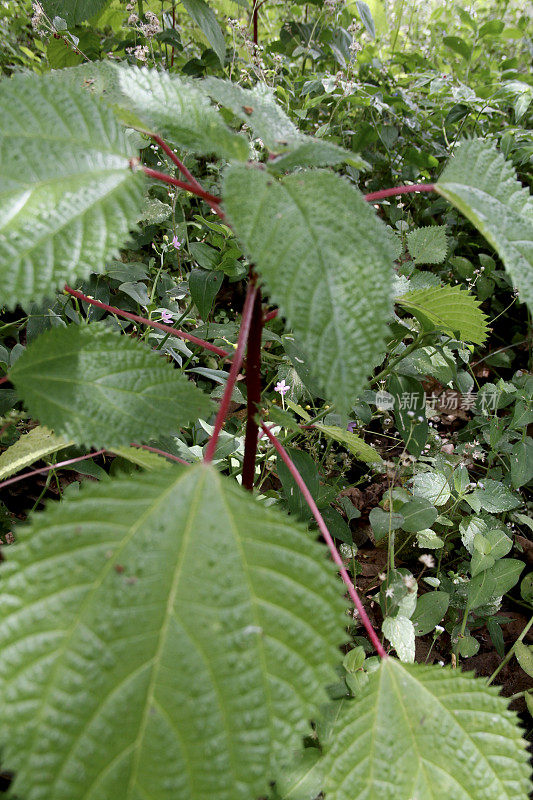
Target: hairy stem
column 329, row 541
column 234, row 371
column 144, row 321
column 416, row 187
column 253, row 389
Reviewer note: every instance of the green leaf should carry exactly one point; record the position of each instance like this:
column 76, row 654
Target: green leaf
column 100, row 388
column 458, row 46
column 207, row 22
column 483, row 186
column 308, row 470
column 366, row 17
column 418, row 514
column 428, row 245
column 204, row 286
column 494, row 497
column 31, row 447
column 426, row 732
column 383, row 522
column 354, row 444
column 316, row 153
column 401, row 634
column 73, row 11
column 315, row 241
column 178, row 111
column 141, row 458
column 258, row 108
column 521, row 458
column 68, row 197
column 491, row 584
column 448, row 308
column 430, row 609
column 524, row 656
column 432, row 486
column 156, row 644
column 468, row 646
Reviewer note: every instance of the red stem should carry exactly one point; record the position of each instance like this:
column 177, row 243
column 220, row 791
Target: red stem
column 253, row 391
column 416, row 187
column 5, row 379
column 211, row 200
column 270, row 315
column 329, row 541
column 144, row 321
column 172, row 155
column 234, row 371
column 18, row 478
column 255, row 19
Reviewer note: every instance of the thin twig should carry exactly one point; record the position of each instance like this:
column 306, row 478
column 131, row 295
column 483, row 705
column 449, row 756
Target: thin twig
column 66, row 463
column 328, row 539
column 172, row 155
column 144, row 321
column 234, row 371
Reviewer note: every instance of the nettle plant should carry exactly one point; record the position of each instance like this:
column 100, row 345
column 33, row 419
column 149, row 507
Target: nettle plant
column 165, row 633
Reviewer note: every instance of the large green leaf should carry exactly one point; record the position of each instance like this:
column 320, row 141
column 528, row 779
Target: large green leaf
column 102, row 389
column 155, row 644
column 428, row 733
column 257, row 107
column 448, row 308
column 73, row 11
column 67, row 194
column 31, row 447
column 326, row 261
column 177, row 110
column 483, row 186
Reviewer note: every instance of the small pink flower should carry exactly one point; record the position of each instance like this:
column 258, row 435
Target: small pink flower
column 166, row 317
column 282, row 387
column 351, row 426
column 176, row 242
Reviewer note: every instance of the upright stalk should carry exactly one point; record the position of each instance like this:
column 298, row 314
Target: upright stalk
column 234, row 371
column 253, row 389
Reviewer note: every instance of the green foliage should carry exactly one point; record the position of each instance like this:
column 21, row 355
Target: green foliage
column 428, row 245
column 31, row 446
column 167, row 625
column 207, row 22
column 354, row 444
column 483, row 186
column 73, row 11
column 68, row 195
column 313, row 261
column 258, row 108
column 448, row 308
column 177, row 110
column 99, row 388
column 422, row 731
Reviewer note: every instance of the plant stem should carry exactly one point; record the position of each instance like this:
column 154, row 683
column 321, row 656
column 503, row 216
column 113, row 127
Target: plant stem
column 511, row 651
column 144, row 321
column 415, row 187
column 234, row 371
column 253, row 390
column 5, row 379
column 329, row 541
column 66, row 463
column 212, row 201
column 172, row 155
